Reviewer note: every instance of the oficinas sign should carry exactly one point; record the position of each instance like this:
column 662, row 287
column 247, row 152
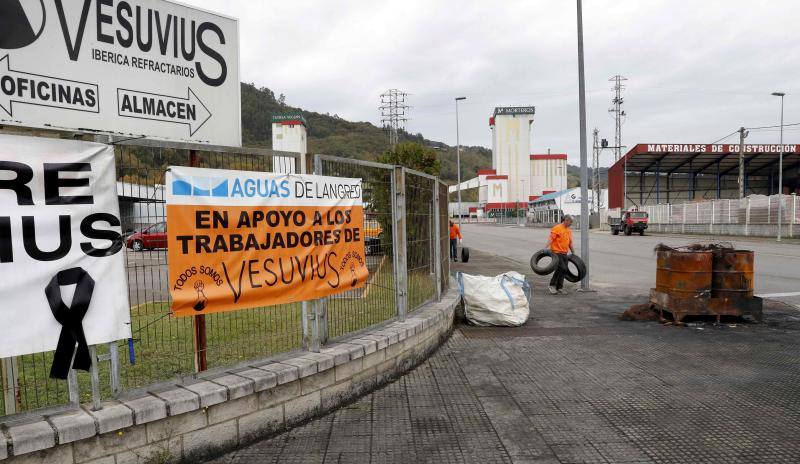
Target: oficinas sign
column 63, row 281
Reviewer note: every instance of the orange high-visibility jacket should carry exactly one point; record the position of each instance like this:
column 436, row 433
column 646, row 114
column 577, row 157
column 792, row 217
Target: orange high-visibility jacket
column 455, row 232
column 560, row 239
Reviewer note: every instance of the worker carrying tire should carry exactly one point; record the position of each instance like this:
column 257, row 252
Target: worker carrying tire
column 455, row 237
column 560, row 243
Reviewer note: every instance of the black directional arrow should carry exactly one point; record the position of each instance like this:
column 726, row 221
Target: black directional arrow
column 164, row 108
column 36, row 89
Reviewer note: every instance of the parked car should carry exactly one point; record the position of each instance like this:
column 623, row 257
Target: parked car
column 153, row 236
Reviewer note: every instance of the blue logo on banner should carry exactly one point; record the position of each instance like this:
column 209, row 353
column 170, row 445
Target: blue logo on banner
column 201, row 186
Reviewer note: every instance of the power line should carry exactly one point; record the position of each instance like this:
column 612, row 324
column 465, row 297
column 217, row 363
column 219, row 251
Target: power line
column 394, row 113
column 723, row 138
column 773, row 127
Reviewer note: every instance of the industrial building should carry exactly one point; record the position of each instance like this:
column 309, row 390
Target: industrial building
column 567, row 201
column 516, row 177
column 288, row 134
column 651, row 174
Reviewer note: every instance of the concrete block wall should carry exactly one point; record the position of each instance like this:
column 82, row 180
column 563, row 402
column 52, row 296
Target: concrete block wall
column 227, row 409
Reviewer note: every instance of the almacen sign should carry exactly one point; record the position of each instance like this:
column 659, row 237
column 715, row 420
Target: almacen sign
column 149, row 68
column 240, row 239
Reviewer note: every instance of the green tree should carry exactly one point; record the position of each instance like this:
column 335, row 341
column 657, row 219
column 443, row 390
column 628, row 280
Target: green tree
column 413, row 155
column 419, row 201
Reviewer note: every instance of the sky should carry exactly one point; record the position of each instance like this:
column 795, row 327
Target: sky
column 696, row 70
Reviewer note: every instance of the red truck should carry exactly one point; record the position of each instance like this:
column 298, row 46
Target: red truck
column 628, row 222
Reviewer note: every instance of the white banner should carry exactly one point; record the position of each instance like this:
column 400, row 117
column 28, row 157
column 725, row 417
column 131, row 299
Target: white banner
column 151, row 68
column 61, row 255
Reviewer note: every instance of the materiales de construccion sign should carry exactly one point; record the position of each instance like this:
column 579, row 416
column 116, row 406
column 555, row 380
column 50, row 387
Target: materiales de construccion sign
column 136, row 67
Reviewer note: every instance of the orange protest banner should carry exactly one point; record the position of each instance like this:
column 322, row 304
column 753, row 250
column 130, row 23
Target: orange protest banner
column 239, row 240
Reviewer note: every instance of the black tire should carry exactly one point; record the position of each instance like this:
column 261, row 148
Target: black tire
column 544, row 270
column 628, row 230
column 614, row 231
column 641, row 232
column 579, row 265
column 137, row 245
column 464, row 254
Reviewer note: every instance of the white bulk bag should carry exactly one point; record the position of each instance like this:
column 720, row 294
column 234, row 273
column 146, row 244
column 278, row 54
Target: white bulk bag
column 500, row 300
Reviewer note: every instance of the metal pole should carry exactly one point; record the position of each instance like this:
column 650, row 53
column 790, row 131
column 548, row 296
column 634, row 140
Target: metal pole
column 584, row 164
column 95, row 378
column 400, row 241
column 199, row 321
column 10, row 381
column 458, row 162
column 742, row 135
column 437, row 242
column 747, row 219
column 314, row 313
column 522, row 187
column 780, row 174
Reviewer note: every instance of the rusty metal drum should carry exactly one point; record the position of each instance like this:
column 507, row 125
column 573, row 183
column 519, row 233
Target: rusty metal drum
column 732, row 274
column 684, row 274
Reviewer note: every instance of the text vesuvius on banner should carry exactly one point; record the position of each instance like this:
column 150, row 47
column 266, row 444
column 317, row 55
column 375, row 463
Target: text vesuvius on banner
column 241, row 239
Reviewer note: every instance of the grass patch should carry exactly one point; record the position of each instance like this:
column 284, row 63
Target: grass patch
column 164, row 346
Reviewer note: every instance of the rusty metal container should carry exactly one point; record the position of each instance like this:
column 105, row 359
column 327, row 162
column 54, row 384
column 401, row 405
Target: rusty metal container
column 684, row 274
column 732, row 274
column 705, row 283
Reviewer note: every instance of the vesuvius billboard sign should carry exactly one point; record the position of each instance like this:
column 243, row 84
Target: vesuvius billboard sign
column 135, row 68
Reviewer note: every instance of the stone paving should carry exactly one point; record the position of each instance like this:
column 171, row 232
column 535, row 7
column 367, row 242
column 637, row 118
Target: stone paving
column 574, row 385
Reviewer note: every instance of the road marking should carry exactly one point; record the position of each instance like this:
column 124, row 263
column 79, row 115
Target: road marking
column 778, row 295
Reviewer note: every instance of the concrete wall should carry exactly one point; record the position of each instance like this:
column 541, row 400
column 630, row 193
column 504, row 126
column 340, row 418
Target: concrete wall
column 227, row 409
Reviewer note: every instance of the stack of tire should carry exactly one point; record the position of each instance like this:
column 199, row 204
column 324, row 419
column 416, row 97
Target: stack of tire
column 572, row 276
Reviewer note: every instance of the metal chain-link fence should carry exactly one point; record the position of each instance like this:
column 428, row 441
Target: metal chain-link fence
column 375, row 302
column 420, row 238
column 164, row 348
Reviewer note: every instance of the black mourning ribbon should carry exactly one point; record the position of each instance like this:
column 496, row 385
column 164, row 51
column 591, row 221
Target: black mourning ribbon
column 71, row 320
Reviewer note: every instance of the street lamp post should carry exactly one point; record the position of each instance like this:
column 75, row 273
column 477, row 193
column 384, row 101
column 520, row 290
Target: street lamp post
column 780, row 170
column 584, row 161
column 458, row 163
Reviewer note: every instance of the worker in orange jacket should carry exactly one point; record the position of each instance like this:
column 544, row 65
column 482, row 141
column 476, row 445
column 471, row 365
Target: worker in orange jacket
column 560, row 243
column 455, row 237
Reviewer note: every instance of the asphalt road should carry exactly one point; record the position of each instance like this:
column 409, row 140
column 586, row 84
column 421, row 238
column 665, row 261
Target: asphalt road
column 620, row 261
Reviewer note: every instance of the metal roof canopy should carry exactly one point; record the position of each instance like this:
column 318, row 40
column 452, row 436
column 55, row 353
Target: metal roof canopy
column 703, row 159
column 550, row 196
